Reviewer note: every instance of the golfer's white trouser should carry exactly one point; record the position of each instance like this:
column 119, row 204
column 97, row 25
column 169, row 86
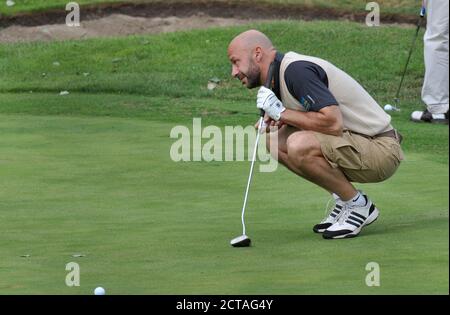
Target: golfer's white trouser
column 435, row 85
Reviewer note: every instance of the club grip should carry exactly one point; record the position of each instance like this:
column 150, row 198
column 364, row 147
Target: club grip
column 268, row 83
column 423, row 11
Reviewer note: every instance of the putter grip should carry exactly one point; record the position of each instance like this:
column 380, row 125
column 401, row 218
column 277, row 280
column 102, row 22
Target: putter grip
column 268, row 83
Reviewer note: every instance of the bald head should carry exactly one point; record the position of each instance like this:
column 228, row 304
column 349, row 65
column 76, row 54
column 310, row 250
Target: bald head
column 251, row 39
column 250, row 54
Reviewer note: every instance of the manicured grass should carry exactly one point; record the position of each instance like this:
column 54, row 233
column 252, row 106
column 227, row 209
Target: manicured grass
column 107, row 188
column 90, row 173
column 386, row 6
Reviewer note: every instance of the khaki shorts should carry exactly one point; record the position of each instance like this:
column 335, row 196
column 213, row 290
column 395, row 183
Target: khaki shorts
column 361, row 159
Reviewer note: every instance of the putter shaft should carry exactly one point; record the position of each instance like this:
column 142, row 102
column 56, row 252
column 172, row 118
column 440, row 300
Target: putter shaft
column 261, row 119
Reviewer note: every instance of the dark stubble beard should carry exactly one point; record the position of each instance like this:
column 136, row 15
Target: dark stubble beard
column 253, row 75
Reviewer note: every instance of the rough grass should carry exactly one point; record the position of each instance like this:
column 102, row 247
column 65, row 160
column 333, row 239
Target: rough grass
column 164, row 77
column 386, row 6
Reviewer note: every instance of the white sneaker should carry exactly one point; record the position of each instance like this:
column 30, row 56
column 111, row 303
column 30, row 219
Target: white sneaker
column 426, row 116
column 352, row 220
column 331, row 218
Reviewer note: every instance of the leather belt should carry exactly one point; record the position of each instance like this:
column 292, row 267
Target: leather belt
column 393, row 133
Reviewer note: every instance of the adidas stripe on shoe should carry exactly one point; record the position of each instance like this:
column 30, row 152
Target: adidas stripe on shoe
column 352, row 220
column 331, row 218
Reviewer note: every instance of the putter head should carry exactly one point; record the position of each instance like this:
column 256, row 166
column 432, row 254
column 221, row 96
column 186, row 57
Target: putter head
column 396, row 101
column 241, row 241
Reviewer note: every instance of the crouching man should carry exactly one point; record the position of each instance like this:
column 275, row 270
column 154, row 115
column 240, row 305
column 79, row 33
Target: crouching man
column 331, row 131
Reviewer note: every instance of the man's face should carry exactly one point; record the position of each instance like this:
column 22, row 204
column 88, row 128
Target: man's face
column 244, row 67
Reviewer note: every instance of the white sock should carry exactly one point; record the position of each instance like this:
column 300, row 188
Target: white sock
column 336, row 197
column 357, row 200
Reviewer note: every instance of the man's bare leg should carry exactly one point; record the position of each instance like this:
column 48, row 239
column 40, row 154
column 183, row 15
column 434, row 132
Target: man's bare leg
column 282, row 155
column 305, row 154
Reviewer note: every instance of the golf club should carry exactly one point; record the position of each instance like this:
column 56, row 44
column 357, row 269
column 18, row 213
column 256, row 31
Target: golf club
column 419, row 22
column 244, row 240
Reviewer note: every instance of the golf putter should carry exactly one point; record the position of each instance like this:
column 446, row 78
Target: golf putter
column 244, row 240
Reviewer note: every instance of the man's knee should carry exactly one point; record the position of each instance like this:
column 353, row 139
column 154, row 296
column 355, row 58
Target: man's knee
column 301, row 145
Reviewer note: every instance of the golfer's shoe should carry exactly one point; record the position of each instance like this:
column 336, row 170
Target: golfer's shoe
column 352, row 220
column 331, row 218
column 426, row 116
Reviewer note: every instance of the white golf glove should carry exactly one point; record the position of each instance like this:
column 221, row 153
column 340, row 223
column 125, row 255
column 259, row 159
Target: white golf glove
column 268, row 101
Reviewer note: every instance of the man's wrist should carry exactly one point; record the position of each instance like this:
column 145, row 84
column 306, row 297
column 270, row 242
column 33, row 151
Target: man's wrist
column 283, row 114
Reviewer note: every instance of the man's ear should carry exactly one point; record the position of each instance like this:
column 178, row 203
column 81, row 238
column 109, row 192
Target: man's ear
column 258, row 54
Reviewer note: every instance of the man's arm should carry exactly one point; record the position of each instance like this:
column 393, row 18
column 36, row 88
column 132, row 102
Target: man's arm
column 308, row 83
column 327, row 120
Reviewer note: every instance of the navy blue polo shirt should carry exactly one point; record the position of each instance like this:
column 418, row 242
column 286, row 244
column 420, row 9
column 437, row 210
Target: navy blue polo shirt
column 307, row 82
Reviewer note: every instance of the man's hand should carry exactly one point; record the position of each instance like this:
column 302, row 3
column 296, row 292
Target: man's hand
column 269, row 125
column 268, row 101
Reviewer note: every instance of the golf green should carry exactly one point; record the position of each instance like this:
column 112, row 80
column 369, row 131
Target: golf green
column 104, row 193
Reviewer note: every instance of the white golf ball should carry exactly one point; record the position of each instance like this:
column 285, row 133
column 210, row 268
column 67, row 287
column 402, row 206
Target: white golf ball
column 99, row 291
column 388, row 107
